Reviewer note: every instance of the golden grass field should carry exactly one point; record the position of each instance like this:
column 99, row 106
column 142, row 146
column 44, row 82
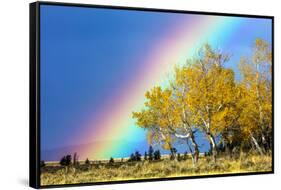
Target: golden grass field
column 53, row 174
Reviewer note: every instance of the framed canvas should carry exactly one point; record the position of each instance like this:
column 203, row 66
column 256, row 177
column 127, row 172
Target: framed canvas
column 126, row 94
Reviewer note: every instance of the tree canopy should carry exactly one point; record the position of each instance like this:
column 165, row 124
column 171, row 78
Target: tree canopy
column 205, row 95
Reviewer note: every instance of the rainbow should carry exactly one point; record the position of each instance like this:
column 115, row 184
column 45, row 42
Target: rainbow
column 182, row 42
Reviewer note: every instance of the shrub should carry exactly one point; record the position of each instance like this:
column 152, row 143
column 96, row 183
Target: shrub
column 173, row 153
column 132, row 158
column 87, row 161
column 75, row 159
column 185, row 156
column 42, row 163
column 179, row 158
column 111, row 160
column 66, row 160
column 145, row 155
column 137, row 156
column 157, row 155
column 150, row 153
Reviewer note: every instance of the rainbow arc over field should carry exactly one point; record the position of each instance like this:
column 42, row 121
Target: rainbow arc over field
column 184, row 41
column 112, row 126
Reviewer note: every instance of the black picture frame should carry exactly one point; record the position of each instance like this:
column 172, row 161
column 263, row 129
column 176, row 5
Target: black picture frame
column 34, row 91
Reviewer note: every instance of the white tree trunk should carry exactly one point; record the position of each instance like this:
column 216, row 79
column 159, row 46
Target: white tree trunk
column 256, row 144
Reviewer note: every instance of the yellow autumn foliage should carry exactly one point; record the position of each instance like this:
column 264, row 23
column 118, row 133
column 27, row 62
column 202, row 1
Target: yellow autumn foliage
column 205, row 94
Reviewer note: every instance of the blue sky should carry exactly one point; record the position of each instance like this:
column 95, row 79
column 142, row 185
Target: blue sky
column 88, row 55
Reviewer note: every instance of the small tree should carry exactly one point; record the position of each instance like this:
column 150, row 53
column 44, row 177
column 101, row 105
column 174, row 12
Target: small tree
column 42, row 164
column 157, row 155
column 179, row 158
column 145, row 155
column 173, row 153
column 66, row 160
column 111, row 160
column 63, row 161
column 185, row 156
column 132, row 158
column 207, row 153
column 150, row 153
column 75, row 159
column 137, row 156
column 87, row 161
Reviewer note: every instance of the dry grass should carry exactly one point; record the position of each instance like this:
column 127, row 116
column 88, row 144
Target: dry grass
column 53, row 175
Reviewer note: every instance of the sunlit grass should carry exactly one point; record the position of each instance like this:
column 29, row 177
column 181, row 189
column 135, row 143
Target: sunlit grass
column 52, row 175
